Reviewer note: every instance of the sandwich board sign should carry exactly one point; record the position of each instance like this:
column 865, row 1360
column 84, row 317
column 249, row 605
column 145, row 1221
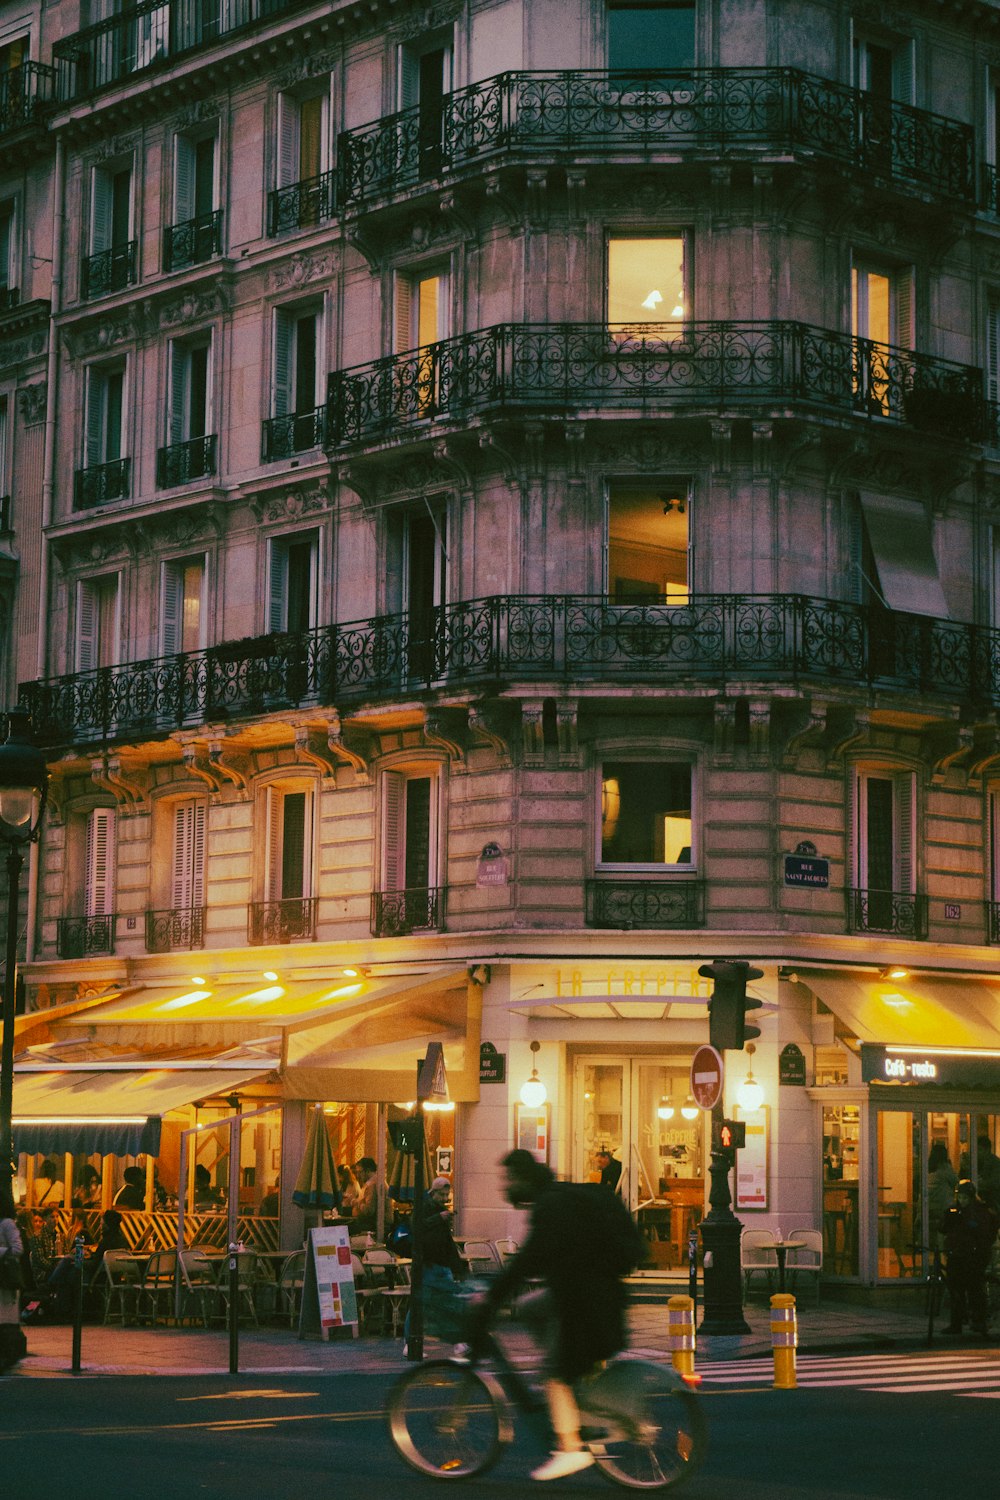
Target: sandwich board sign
column 329, row 1299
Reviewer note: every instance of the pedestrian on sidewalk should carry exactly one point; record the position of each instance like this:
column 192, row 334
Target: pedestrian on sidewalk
column 970, row 1229
column 13, row 1344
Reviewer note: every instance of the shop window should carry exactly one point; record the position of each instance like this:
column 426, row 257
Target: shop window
column 651, row 36
column 97, row 622
column 646, row 818
column 648, row 546
column 646, row 282
column 183, row 605
column 841, row 1186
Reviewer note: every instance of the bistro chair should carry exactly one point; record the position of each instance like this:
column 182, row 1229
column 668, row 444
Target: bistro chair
column 481, row 1257
column 290, row 1281
column 198, row 1284
column 809, row 1258
column 122, row 1277
column 397, row 1298
column 757, row 1253
column 505, row 1250
column 246, row 1284
column 158, row 1284
column 371, row 1304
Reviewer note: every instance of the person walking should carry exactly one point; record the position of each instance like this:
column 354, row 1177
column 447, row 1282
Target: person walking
column 941, row 1182
column 13, row 1344
column 970, row 1230
column 443, row 1265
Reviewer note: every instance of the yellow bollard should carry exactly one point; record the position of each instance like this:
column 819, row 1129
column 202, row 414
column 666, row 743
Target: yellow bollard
column 784, row 1338
column 680, row 1321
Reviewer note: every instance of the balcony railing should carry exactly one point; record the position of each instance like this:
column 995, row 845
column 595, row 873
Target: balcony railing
column 712, row 638
column 183, row 462
column 10, row 297
column 901, row 913
column 646, row 904
column 658, row 366
column 300, row 205
column 193, row 241
column 177, row 928
column 82, row 937
column 101, row 484
column 296, row 432
column 286, row 921
column 699, row 111
column 149, row 36
column 397, row 913
column 24, row 93
column 108, row 271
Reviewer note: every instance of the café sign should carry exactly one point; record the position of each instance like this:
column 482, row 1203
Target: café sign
column 951, row 1067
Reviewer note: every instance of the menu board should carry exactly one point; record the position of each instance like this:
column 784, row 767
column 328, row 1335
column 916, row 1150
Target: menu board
column 751, row 1161
column 329, row 1299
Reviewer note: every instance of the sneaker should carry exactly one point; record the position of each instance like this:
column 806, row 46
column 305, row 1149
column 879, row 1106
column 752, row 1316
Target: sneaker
column 559, row 1465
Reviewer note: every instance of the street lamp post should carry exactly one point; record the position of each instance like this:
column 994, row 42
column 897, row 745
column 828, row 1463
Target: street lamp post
column 24, row 782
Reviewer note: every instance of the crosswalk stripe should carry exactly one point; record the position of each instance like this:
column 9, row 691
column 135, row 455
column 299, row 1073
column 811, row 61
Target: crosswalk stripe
column 971, row 1374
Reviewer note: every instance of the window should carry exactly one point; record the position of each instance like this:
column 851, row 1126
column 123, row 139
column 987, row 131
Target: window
column 648, row 551
column 9, row 277
column 292, row 579
column 187, row 864
column 424, row 80
column 4, row 462
column 884, row 68
column 423, row 310
column 182, row 625
column 288, row 843
column 304, row 137
column 190, row 379
column 298, row 378
column 882, row 305
column 194, row 234
column 646, row 814
column 111, row 265
column 418, row 569
column 99, row 874
column 410, row 898
column 105, row 411
column 651, row 36
column 646, row 282
column 97, row 625
column 884, row 869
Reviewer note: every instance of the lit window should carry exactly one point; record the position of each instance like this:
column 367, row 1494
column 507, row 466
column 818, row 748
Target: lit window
column 646, row 816
column 646, row 281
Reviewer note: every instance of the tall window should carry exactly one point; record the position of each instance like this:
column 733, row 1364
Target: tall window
column 423, row 310
column 646, row 282
column 883, row 68
column 190, row 389
column 105, row 413
column 424, row 80
column 194, row 177
column 4, row 464
column 99, row 874
column 97, row 623
column 9, row 278
column 187, row 864
column 292, row 580
column 304, row 137
column 289, row 839
column 882, row 305
column 182, row 626
column 648, row 552
column 646, row 815
column 409, row 831
column 111, row 217
column 298, row 377
column 884, row 836
column 651, row 36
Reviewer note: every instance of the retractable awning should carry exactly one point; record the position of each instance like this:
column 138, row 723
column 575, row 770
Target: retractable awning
column 900, row 536
column 922, row 1011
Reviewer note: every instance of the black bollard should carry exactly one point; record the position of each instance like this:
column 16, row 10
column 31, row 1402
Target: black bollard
column 77, row 1303
column 234, row 1311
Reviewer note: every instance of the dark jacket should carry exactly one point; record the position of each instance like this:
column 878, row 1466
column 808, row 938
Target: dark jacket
column 582, row 1242
column 439, row 1247
column 969, row 1232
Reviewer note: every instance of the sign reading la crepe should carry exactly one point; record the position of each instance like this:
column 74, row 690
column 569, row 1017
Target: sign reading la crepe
column 492, row 1064
column 933, row 1066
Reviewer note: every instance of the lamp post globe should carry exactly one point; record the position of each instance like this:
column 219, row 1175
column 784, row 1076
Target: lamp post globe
column 24, row 781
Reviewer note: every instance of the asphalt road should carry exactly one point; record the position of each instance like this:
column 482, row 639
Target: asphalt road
column 101, row 1438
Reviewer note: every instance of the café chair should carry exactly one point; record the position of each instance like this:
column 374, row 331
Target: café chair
column 158, row 1284
column 290, row 1281
column 246, row 1284
column 481, row 1257
column 397, row 1299
column 371, row 1304
column 198, row 1284
column 757, row 1253
column 505, row 1250
column 122, row 1277
column 809, row 1258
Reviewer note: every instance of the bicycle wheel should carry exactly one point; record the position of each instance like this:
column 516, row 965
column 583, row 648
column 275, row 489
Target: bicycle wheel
column 447, row 1419
column 934, row 1297
column 648, row 1430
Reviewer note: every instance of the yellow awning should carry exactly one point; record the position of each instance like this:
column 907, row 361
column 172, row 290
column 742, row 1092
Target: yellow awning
column 922, row 1011
column 75, row 1095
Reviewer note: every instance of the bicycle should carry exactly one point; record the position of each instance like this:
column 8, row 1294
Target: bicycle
column 451, row 1418
column 936, row 1285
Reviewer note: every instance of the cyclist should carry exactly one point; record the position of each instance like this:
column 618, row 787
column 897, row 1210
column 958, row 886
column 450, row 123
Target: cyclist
column 582, row 1242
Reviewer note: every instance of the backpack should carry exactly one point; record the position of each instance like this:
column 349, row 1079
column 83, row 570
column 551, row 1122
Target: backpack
column 615, row 1237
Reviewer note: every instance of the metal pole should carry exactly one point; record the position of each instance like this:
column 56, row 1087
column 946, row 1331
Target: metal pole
column 234, row 1310
column 78, row 1302
column 720, row 1238
column 415, row 1342
column 15, row 863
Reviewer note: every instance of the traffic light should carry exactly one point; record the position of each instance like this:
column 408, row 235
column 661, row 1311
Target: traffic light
column 729, row 1003
column 733, row 1135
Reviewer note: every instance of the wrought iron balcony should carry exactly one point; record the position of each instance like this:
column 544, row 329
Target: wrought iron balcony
column 300, row 205
column 397, row 913
column 295, row 432
column 193, row 241
column 180, row 927
column 183, row 462
column 24, row 93
column 902, row 913
column 544, row 638
column 10, row 297
column 287, row 921
column 150, row 36
column 713, row 366
column 696, row 111
column 82, row 937
column 645, row 904
column 108, row 271
column 101, row 484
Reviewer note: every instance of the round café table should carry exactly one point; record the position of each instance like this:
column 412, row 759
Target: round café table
column 781, row 1249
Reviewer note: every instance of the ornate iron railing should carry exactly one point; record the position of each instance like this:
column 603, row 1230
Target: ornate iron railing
column 648, row 904
column 713, row 638
column 397, row 913
column 108, row 271
column 182, row 462
column 10, row 297
column 148, row 36
column 300, row 205
column 24, row 93
column 903, row 913
column 292, row 920
column 711, row 365
column 193, row 241
column 180, row 927
column 101, row 483
column 698, row 110
column 989, row 188
column 295, row 432
column 80, row 937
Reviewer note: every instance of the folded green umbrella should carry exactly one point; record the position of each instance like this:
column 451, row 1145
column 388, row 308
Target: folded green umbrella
column 317, row 1185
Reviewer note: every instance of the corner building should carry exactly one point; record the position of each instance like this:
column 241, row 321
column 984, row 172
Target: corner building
column 512, row 520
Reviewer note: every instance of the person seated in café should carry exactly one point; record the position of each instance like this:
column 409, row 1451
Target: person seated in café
column 49, row 1191
column 88, row 1187
column 112, row 1238
column 365, row 1209
column 42, row 1247
column 350, row 1190
column 207, row 1199
column 132, row 1193
column 59, row 1287
column 271, row 1201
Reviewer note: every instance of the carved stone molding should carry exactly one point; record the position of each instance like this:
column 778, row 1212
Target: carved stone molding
column 304, row 267
column 845, row 730
column 312, row 746
column 116, row 145
column 31, row 401
column 426, row 18
column 647, row 452
column 26, row 346
column 197, row 762
column 495, row 721
column 229, row 765
column 946, row 749
column 532, row 733
column 760, row 731
column 354, row 747
column 127, row 785
column 567, row 733
column 722, row 446
column 181, row 528
column 724, row 730
column 806, row 733
column 648, row 199
column 308, row 65
column 449, row 729
column 207, row 300
column 119, row 327
column 195, row 113
column 293, row 503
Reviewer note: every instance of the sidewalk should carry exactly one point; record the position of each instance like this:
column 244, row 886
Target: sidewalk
column 113, row 1350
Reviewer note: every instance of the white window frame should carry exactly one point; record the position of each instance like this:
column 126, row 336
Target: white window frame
column 408, row 57
column 674, row 236
column 688, row 867
column 172, row 600
column 406, row 305
column 11, row 263
column 101, row 204
column 188, row 825
column 902, row 331
column 904, row 829
column 88, row 611
column 288, row 128
column 99, row 862
column 179, row 386
column 284, row 340
column 274, row 795
column 393, row 837
column 95, row 437
column 185, row 147
column 678, row 487
column 278, row 547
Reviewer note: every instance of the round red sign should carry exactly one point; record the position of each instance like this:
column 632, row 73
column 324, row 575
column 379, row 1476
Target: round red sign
column 707, row 1074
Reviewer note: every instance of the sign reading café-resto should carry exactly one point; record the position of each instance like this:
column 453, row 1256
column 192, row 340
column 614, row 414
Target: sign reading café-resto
column 950, row 1067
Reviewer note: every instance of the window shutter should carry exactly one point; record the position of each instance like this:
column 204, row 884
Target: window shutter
column 273, row 872
column 97, row 391
column 101, row 199
column 198, row 856
column 99, row 893
column 282, row 398
column 904, row 334
column 409, row 78
column 184, row 175
column 173, row 609
column 855, row 853
column 288, row 140
column 87, row 615
column 393, row 831
column 992, row 350
column 293, row 846
column 277, row 612
column 404, row 314
column 180, row 884
column 180, row 371
column 905, row 808
column 855, row 549
column 995, row 844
